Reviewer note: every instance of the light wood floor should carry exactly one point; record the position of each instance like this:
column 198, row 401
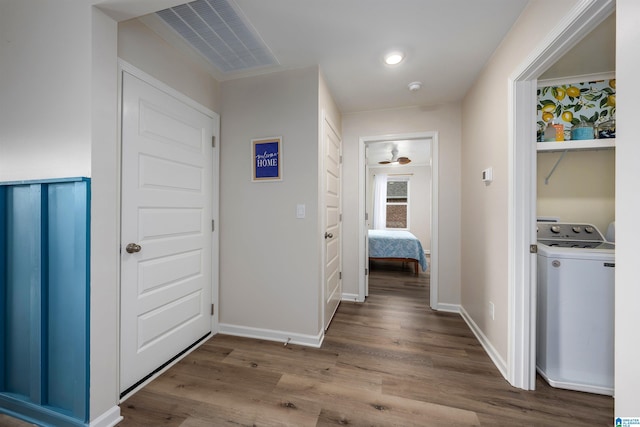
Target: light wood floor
column 390, row 361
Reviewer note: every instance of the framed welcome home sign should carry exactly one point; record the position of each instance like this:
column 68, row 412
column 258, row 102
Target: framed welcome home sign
column 266, row 156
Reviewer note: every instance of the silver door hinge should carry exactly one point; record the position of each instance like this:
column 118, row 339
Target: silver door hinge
column 366, row 271
column 340, row 275
column 340, row 217
column 213, row 225
column 340, row 159
column 213, row 141
column 533, row 249
column 366, row 216
column 213, row 310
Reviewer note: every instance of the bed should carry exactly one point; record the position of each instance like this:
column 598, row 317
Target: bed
column 392, row 245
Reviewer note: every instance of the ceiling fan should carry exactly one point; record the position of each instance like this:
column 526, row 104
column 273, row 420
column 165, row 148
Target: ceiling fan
column 395, row 159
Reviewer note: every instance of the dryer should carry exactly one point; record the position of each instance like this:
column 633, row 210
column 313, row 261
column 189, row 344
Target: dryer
column 575, row 307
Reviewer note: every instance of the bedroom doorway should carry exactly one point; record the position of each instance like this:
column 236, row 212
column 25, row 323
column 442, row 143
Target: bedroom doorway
column 411, row 157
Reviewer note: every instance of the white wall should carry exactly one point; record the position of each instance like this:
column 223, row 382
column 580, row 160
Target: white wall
column 627, row 368
column 485, row 144
column 105, row 312
column 327, row 104
column 419, row 199
column 143, row 48
column 445, row 119
column 45, row 120
column 582, row 188
column 269, row 268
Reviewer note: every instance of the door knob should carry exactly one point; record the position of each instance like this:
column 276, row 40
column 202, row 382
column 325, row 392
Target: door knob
column 133, row 247
column 328, row 235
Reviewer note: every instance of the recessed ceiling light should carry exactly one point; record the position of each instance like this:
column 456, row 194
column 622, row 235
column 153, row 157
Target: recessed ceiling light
column 393, row 58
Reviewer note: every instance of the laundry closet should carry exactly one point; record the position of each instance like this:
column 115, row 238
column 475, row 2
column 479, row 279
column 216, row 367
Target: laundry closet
column 576, row 215
column 580, row 187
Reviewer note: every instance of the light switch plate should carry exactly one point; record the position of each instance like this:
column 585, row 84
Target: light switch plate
column 300, row 211
column 487, row 175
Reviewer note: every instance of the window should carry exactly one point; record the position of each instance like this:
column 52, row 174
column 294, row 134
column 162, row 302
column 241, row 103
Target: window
column 398, row 202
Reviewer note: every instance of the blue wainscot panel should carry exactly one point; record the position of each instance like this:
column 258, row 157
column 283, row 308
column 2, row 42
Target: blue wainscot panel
column 44, row 296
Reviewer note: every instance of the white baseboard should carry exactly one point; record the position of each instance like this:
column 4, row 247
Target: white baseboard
column 486, row 344
column 271, row 335
column 108, row 419
column 351, row 298
column 450, row 308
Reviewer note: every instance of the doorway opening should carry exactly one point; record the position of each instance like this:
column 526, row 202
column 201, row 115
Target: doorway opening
column 521, row 368
column 422, row 150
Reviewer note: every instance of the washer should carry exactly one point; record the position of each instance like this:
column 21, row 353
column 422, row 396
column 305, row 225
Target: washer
column 575, row 315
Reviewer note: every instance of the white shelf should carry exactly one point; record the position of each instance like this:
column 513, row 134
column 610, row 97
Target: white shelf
column 588, row 144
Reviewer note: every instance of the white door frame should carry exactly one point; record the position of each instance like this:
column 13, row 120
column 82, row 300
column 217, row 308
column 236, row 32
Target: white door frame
column 124, row 66
column 584, row 17
column 362, row 171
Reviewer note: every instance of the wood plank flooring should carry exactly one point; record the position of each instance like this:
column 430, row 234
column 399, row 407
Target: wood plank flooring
column 390, row 361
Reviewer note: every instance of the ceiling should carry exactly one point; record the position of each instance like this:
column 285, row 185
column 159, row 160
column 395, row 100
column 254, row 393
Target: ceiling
column 446, row 42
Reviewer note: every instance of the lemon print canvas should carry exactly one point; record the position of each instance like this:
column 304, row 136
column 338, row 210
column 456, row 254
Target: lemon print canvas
column 591, row 102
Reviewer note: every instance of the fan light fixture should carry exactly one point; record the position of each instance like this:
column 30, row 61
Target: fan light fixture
column 414, row 86
column 395, row 160
column 393, row 58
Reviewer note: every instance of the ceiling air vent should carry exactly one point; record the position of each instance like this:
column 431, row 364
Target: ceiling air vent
column 220, row 33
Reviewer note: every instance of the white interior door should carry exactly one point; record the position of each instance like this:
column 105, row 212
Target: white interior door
column 166, row 254
column 367, row 224
column 332, row 236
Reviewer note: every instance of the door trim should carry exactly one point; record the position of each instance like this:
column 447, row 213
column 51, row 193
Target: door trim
column 434, row 261
column 522, row 285
column 125, row 67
